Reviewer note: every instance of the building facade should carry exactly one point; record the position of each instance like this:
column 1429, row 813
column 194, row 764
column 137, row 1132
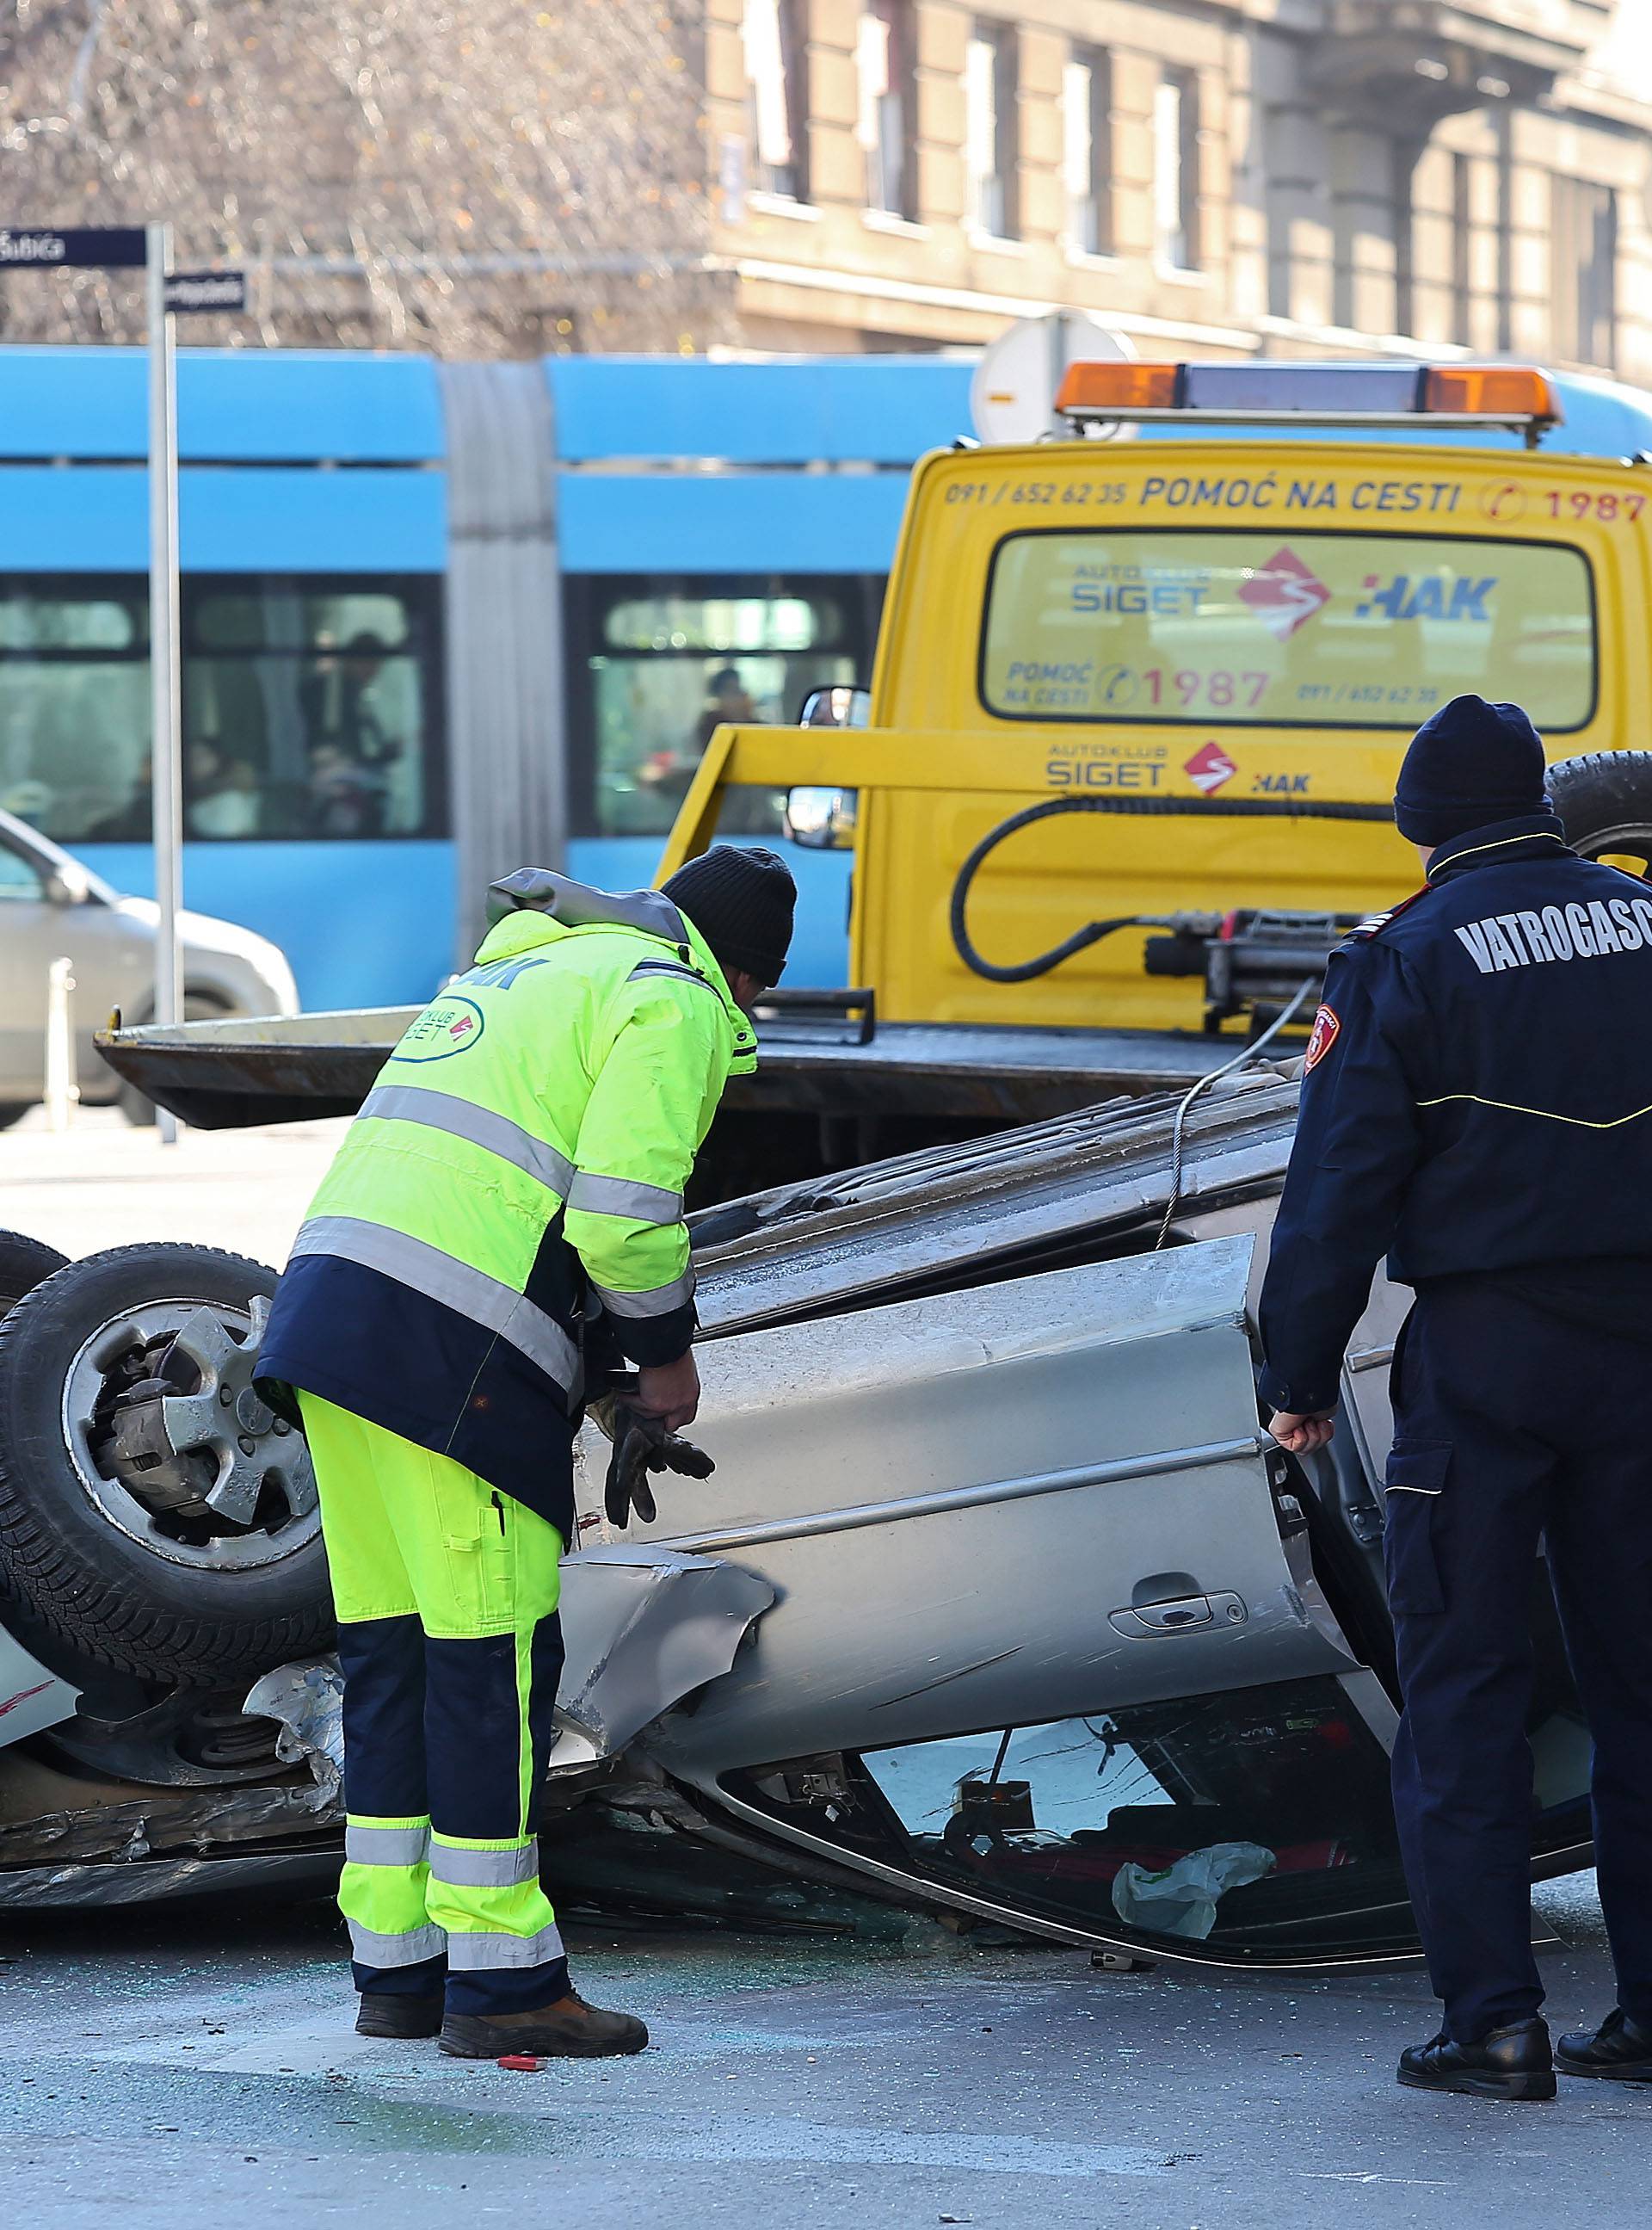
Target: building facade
column 1219, row 177
column 1225, row 176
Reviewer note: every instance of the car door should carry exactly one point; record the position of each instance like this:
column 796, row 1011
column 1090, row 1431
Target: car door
column 27, row 917
column 113, row 958
column 1043, row 1626
column 50, row 909
column 1018, row 1500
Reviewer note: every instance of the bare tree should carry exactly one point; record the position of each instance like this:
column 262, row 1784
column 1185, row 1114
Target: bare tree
column 473, row 177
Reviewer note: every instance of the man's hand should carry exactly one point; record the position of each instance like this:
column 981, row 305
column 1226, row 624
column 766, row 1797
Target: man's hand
column 669, row 1392
column 1301, row 1435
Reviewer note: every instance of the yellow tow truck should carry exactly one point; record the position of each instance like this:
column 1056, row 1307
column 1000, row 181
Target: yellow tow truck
column 1127, row 758
column 1139, row 706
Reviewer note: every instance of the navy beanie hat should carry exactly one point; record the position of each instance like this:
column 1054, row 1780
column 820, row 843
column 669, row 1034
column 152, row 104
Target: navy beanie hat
column 1470, row 764
column 741, row 899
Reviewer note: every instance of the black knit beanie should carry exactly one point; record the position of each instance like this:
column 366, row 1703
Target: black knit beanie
column 740, row 900
column 1471, row 764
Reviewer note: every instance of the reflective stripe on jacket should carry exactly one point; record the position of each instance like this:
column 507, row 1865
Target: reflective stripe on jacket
column 513, row 1185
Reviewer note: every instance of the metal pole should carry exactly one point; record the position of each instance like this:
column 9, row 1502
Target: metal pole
column 164, row 650
column 63, row 1090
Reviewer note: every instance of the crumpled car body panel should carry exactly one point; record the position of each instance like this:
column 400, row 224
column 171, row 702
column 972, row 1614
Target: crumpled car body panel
column 956, row 1501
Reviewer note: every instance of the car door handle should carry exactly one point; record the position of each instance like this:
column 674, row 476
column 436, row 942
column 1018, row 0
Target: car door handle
column 1186, row 1614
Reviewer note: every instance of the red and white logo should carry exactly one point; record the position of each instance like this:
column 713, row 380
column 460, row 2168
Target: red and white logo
column 1283, row 593
column 22, row 1697
column 1209, row 768
column 1321, row 1037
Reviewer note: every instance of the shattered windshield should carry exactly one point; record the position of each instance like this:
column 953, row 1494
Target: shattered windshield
column 1246, row 1814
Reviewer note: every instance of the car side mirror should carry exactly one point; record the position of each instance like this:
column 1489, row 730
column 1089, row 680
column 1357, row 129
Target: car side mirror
column 66, row 885
column 842, row 706
column 822, row 819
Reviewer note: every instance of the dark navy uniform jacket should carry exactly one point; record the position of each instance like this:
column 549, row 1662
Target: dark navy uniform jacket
column 1478, row 1102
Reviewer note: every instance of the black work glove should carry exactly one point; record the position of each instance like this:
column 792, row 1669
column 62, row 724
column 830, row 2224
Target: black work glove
column 641, row 1445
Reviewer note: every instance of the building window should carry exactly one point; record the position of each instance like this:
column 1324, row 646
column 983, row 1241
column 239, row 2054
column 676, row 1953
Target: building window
column 310, row 707
column 991, row 150
column 777, row 106
column 1087, row 121
column 1584, row 234
column 1175, row 169
column 886, row 68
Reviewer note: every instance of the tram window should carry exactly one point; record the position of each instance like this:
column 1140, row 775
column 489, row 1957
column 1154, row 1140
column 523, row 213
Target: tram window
column 657, row 664
column 74, row 697
column 310, row 707
column 306, row 709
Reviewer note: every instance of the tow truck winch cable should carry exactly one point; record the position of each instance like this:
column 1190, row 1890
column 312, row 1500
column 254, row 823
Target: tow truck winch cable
column 1304, row 989
column 1230, row 808
column 1093, row 932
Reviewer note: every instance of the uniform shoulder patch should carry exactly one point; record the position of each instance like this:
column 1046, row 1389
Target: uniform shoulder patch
column 1321, row 1037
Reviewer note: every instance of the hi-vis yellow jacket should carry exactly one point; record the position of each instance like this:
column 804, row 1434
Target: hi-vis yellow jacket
column 511, row 1191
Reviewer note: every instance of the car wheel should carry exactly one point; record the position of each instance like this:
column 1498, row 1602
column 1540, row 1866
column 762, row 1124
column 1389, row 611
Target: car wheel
column 154, row 1515
column 1604, row 801
column 138, row 1111
column 23, row 1263
column 13, row 1111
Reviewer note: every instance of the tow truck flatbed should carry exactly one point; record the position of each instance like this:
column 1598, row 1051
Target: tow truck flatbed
column 225, row 1075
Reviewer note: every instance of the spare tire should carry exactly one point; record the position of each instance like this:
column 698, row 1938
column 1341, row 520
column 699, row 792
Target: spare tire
column 1604, row 801
column 23, row 1263
column 154, row 1515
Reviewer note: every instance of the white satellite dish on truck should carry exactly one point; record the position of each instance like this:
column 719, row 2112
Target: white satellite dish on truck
column 1013, row 395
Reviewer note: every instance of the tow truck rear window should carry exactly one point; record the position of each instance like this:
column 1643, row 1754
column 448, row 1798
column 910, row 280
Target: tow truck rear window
column 1317, row 631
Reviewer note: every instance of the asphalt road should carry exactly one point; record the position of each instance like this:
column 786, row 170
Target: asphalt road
column 197, row 2066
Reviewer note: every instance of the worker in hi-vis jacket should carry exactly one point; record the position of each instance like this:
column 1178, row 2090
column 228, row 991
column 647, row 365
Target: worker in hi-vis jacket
column 501, row 1231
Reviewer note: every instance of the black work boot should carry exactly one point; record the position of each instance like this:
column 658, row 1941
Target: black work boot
column 1507, row 2063
column 387, row 2014
column 570, row 2029
column 1619, row 2049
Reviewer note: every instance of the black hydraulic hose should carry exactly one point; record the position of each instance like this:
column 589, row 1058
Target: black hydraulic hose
column 1024, row 971
column 1246, row 808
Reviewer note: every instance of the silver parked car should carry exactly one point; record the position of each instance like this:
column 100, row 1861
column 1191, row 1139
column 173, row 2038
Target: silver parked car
column 51, row 905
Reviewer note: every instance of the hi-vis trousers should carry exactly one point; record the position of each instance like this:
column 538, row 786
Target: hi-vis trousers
column 447, row 1633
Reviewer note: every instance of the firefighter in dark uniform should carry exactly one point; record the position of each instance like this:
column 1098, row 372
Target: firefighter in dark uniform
column 1477, row 1104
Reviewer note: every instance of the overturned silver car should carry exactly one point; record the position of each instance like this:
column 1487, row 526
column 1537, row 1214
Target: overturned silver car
column 1000, row 1603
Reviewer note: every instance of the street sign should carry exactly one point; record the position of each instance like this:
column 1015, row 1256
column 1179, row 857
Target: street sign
column 165, row 646
column 48, row 247
column 148, row 248
column 189, row 292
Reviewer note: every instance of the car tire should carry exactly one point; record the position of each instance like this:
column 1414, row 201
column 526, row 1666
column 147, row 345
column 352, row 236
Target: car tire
column 198, row 1007
column 88, row 1544
column 1604, row 801
column 24, row 1262
column 13, row 1111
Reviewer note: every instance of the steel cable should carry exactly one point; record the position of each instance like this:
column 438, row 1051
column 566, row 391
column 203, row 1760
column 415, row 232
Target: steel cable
column 1246, row 1052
